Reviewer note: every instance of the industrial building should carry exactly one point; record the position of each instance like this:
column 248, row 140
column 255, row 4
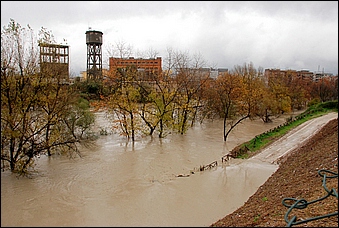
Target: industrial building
column 54, row 59
column 146, row 67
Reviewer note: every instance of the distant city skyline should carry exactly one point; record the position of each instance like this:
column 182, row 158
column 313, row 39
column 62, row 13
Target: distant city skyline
column 298, row 35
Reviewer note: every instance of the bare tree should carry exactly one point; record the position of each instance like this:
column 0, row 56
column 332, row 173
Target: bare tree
column 190, row 78
column 149, row 53
column 119, row 49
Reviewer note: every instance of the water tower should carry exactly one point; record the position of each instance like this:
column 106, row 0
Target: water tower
column 94, row 54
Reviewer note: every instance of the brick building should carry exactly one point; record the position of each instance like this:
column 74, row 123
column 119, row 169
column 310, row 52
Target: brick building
column 145, row 66
column 303, row 74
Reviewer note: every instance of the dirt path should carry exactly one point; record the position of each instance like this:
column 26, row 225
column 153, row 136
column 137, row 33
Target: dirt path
column 293, row 139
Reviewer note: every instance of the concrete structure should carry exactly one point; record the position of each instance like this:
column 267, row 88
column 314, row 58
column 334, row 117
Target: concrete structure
column 54, row 60
column 214, row 73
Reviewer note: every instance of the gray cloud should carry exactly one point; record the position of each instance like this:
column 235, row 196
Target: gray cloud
column 270, row 34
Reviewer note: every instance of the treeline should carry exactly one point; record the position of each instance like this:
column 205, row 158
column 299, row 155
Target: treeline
column 184, row 93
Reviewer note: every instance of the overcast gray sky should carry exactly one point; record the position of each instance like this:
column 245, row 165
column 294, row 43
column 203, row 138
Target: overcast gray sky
column 270, row 34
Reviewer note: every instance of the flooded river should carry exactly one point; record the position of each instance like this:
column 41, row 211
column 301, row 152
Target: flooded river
column 123, row 184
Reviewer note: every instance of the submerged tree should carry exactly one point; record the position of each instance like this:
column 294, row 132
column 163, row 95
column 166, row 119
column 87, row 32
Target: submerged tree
column 189, row 80
column 225, row 98
column 123, row 103
column 234, row 96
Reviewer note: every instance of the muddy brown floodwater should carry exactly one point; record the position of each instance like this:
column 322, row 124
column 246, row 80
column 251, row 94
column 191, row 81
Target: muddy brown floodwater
column 123, row 184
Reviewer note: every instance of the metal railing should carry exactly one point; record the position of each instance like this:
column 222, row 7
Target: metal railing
column 302, row 203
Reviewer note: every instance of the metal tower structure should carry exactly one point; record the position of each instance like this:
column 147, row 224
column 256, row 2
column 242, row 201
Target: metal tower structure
column 94, row 54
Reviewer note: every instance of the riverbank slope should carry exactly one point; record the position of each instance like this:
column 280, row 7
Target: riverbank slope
column 297, row 177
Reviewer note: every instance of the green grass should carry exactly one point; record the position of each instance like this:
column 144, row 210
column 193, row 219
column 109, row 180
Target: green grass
column 256, row 217
column 262, row 140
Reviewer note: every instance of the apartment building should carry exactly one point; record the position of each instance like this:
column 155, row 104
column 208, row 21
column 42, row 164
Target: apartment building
column 303, row 74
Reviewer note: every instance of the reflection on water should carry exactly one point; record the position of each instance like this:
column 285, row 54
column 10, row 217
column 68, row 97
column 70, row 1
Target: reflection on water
column 120, row 184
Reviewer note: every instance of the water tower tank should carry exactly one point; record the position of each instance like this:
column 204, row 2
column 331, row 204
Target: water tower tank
column 93, row 37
